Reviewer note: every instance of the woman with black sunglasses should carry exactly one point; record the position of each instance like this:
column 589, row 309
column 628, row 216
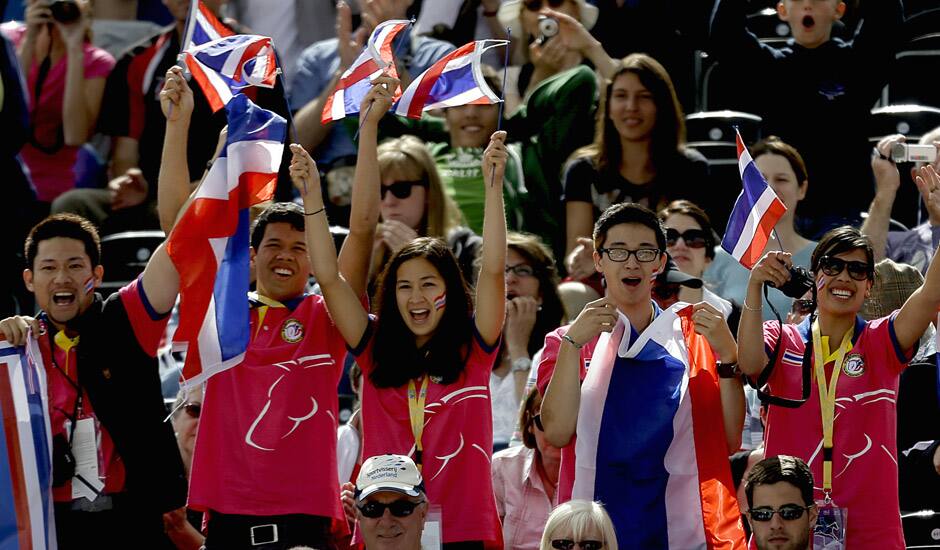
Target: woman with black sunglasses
column 846, row 428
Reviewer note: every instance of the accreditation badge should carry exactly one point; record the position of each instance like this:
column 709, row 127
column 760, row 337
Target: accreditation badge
column 829, row 533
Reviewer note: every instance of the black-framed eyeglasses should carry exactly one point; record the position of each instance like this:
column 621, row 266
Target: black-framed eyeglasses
column 693, row 238
column 521, row 270
column 803, row 306
column 536, row 5
column 568, row 544
column 833, row 266
column 401, row 189
column 399, row 508
column 643, row 255
column 193, row 409
column 537, row 420
column 788, row 512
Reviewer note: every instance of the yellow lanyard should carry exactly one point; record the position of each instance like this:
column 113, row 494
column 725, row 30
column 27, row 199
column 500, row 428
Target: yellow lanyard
column 827, row 395
column 416, row 401
column 63, row 342
column 263, row 310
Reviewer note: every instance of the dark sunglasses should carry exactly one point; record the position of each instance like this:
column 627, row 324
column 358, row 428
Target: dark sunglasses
column 788, row 512
column 694, row 238
column 537, row 420
column 803, row 307
column 193, row 409
column 521, row 270
column 401, row 189
column 568, row 544
column 833, row 266
column 536, row 5
column 399, row 508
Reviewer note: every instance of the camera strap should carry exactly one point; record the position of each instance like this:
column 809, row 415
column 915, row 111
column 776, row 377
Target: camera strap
column 41, row 77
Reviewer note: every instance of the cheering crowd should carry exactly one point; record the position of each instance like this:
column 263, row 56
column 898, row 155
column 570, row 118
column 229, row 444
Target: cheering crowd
column 531, row 318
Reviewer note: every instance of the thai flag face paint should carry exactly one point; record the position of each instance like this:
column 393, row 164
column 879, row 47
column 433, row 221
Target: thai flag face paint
column 820, row 283
column 440, row 301
column 89, row 285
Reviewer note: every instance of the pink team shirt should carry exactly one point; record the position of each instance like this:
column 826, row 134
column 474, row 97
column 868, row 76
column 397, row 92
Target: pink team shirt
column 457, row 440
column 148, row 327
column 267, row 435
column 864, row 466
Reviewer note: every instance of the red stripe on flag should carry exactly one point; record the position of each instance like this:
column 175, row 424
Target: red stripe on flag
column 720, row 514
column 15, row 458
column 327, row 114
column 214, row 21
column 208, row 90
column 250, row 52
column 359, row 73
column 739, row 142
column 420, row 98
column 767, row 222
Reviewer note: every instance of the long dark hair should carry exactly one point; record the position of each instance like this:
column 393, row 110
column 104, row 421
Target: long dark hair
column 668, row 136
column 396, row 357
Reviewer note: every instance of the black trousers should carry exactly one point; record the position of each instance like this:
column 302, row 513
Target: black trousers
column 121, row 527
column 235, row 532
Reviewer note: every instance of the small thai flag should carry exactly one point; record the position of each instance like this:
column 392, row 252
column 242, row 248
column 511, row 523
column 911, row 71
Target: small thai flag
column 791, row 358
column 755, row 213
column 202, row 26
column 456, row 79
column 225, row 66
column 357, row 80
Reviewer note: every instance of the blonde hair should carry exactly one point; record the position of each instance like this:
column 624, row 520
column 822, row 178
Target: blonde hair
column 575, row 518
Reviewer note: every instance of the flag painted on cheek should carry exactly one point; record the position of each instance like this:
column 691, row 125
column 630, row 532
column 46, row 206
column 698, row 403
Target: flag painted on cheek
column 89, row 285
column 440, row 301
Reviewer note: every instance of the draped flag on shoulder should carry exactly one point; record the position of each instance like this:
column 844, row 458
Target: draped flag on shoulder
column 756, row 212
column 209, row 245
column 654, row 403
column 202, row 26
column 26, row 509
column 456, row 79
column 225, row 66
column 357, row 80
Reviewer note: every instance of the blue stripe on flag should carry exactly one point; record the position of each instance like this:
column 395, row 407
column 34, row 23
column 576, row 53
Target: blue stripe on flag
column 37, row 421
column 247, row 121
column 8, row 531
column 636, row 431
column 452, row 83
column 753, row 187
column 353, row 95
column 231, row 286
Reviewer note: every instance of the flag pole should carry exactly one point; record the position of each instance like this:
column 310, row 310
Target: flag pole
column 291, row 129
column 773, row 230
column 394, row 55
column 502, row 93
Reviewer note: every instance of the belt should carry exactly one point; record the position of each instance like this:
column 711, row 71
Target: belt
column 238, row 531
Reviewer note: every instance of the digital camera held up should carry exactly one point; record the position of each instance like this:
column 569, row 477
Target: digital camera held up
column 799, row 283
column 65, row 11
column 548, row 27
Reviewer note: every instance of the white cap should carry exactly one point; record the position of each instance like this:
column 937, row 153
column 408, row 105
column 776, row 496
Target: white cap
column 510, row 12
column 389, row 473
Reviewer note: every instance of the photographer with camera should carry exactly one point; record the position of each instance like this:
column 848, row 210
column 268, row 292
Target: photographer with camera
column 844, row 426
column 65, row 77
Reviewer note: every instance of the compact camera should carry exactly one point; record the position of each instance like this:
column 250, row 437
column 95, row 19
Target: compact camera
column 65, row 11
column 799, row 283
column 548, row 27
column 912, row 152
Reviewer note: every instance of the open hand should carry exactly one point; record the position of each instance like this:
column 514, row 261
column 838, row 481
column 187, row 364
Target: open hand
column 127, row 190
column 928, row 183
column 580, row 262
column 350, row 43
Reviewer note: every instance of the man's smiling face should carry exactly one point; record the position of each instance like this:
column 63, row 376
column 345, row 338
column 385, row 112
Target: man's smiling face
column 389, row 532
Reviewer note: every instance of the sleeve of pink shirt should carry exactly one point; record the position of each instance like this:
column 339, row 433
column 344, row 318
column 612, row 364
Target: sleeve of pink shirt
column 149, row 326
column 98, row 62
column 771, row 333
column 546, row 366
column 885, row 339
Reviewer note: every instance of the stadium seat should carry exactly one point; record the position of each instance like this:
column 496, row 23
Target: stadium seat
column 767, row 25
column 922, row 23
column 125, row 255
column 718, row 126
column 911, row 120
column 919, row 57
column 724, row 182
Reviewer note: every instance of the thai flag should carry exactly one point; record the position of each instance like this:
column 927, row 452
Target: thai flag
column 651, row 442
column 26, row 508
column 357, row 80
column 202, row 26
column 225, row 66
column 792, row 358
column 755, row 213
column 456, row 79
column 210, row 242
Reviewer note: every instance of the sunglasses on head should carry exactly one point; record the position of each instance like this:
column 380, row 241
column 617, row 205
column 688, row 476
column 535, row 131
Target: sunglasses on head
column 568, row 544
column 193, row 409
column 399, row 508
column 833, row 266
column 401, row 189
column 693, row 238
column 788, row 512
column 536, row 5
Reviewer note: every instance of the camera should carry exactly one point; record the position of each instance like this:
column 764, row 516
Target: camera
column 548, row 27
column 904, row 152
column 799, row 283
column 65, row 11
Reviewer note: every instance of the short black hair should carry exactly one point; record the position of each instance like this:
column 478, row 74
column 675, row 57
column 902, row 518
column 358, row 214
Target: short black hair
column 279, row 212
column 840, row 240
column 628, row 212
column 70, row 226
column 780, row 468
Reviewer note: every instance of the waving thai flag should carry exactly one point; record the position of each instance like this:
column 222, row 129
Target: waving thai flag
column 202, row 26
column 651, row 441
column 456, row 79
column 209, row 245
column 755, row 213
column 225, row 66
column 26, row 510
column 357, row 80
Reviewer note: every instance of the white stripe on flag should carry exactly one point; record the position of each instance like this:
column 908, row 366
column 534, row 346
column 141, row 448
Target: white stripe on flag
column 457, row 100
column 257, row 155
column 753, row 222
column 682, row 486
column 27, row 451
column 215, row 186
column 743, row 160
column 230, row 67
column 338, row 108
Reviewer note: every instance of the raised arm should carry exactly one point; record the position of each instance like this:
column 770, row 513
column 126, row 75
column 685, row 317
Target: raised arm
column 344, row 306
column 82, row 100
column 887, row 182
column 356, row 254
column 772, row 268
column 921, row 308
column 490, row 304
column 575, row 37
column 728, row 37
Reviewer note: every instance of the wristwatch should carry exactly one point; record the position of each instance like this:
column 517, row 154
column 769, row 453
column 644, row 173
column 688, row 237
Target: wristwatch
column 521, row 364
column 728, row 370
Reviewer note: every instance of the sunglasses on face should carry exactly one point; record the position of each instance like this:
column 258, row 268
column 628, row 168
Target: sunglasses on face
column 536, row 5
column 401, row 189
column 399, row 508
column 833, row 266
column 643, row 255
column 568, row 544
column 788, row 512
column 193, row 409
column 520, row 270
column 537, row 420
column 693, row 238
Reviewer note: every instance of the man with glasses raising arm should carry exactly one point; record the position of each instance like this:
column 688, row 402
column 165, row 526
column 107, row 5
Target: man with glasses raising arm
column 781, row 510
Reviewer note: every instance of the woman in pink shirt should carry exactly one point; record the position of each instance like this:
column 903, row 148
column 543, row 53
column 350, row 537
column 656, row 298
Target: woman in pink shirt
column 66, row 77
column 427, row 354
